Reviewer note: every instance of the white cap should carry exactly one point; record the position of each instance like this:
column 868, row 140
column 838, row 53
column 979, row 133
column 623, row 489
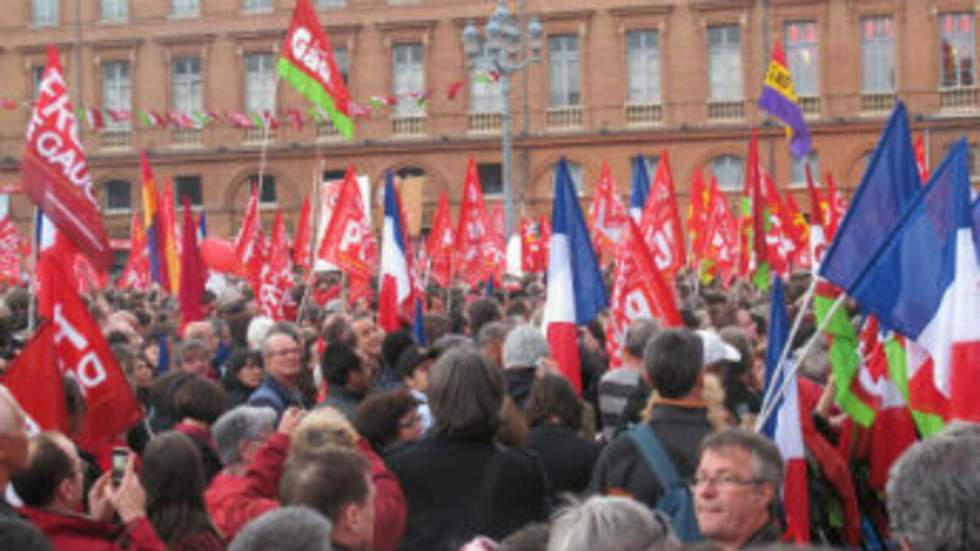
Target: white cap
column 715, row 349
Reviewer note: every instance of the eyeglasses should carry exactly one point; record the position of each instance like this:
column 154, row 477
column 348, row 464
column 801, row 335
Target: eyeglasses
column 725, row 480
column 284, row 352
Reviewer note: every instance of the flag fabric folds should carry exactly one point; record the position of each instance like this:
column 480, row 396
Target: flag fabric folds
column 887, row 187
column 660, row 222
column 576, row 293
column 607, row 216
column 779, row 99
column 640, row 187
column 441, row 243
column 304, row 235
column 153, row 223
column 395, row 279
column 473, row 232
column 34, row 379
column 922, row 282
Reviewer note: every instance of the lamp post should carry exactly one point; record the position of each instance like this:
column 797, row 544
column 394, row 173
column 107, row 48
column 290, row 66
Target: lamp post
column 505, row 55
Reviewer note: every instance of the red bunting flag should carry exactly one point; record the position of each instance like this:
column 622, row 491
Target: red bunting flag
column 640, row 291
column 136, row 273
column 34, row 379
column 607, row 215
column 660, row 222
column 54, row 172
column 348, row 241
column 441, row 243
column 304, row 234
column 473, row 233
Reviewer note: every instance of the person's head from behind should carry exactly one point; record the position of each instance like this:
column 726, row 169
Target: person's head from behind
column 466, row 393
column 343, row 367
column 603, row 523
column 173, row 476
column 638, row 334
column 531, row 537
column 490, row 340
column 673, row 359
column 240, row 432
column 285, row 529
column 736, row 486
column 337, row 483
column 200, row 400
column 482, row 311
column 53, row 478
column 319, row 430
column 13, row 436
column 387, row 418
column 20, row 535
column 933, row 493
column 194, row 357
column 553, row 402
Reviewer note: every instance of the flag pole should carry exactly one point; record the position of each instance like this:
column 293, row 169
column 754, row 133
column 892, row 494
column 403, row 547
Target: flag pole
column 32, row 304
column 769, row 408
column 805, row 303
column 314, row 215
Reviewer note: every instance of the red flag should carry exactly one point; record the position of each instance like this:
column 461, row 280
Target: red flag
column 660, row 222
column 496, row 250
column 532, row 247
column 697, row 216
column 920, row 159
column 639, row 291
column 276, row 280
column 544, row 227
column 170, row 247
column 249, row 245
column 798, row 231
column 54, row 172
column 836, row 207
column 136, row 273
column 34, row 379
column 11, row 251
column 441, row 243
column 80, row 348
column 779, row 247
column 304, row 234
column 721, row 236
column 817, row 215
column 752, row 224
column 473, row 232
column 607, row 215
column 192, row 271
column 347, row 242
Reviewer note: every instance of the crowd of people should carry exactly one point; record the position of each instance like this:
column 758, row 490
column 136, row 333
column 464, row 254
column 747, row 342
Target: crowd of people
column 330, row 433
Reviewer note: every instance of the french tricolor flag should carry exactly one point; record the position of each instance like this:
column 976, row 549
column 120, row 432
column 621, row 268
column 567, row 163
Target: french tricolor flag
column 924, row 282
column 576, row 293
column 396, row 284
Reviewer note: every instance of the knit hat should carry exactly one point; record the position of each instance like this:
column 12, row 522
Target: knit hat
column 524, row 346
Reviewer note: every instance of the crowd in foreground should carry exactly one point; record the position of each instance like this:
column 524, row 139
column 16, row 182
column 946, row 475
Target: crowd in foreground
column 331, row 434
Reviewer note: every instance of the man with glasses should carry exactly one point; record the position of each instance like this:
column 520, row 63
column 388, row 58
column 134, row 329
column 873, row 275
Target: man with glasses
column 736, row 489
column 279, row 390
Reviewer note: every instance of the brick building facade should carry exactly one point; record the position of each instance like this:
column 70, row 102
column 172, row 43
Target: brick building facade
column 617, row 78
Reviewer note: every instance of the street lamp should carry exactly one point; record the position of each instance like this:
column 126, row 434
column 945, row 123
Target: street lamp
column 503, row 40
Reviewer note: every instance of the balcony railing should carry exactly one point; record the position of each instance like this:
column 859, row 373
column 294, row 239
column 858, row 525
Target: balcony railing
column 564, row 118
column 485, row 123
column 408, row 125
column 185, row 137
column 327, row 131
column 877, row 103
column 810, row 105
column 643, row 114
column 255, row 136
column 116, row 139
column 959, row 99
column 725, row 111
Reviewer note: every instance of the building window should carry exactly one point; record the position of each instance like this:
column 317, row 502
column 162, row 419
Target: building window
column 574, row 170
column 330, row 3
column 725, row 62
column 957, row 49
column 729, row 170
column 877, row 55
column 484, row 88
column 118, row 196
column 115, row 10
column 116, row 91
column 408, row 77
column 802, row 55
column 260, row 83
column 267, row 191
column 37, row 74
column 332, row 175
column 797, row 173
column 187, row 84
column 491, row 179
column 190, row 187
column 643, row 66
column 342, row 61
column 44, row 13
column 256, row 6
column 184, row 8
column 564, row 71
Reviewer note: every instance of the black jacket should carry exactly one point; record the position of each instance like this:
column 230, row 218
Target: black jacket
column 568, row 457
column 519, row 381
column 457, row 489
column 621, row 466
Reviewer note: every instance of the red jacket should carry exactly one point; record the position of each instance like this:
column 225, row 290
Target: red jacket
column 390, row 510
column 233, row 501
column 73, row 532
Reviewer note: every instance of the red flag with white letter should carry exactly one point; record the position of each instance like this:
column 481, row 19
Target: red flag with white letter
column 34, row 379
column 473, row 233
column 277, row 279
column 80, row 348
column 250, row 243
column 304, row 234
column 11, row 251
column 660, row 223
column 607, row 215
column 348, row 242
column 441, row 242
column 54, row 172
column 136, row 273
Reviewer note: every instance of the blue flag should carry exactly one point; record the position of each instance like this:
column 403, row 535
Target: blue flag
column 418, row 327
column 640, row 187
column 889, row 184
column 976, row 224
column 775, row 341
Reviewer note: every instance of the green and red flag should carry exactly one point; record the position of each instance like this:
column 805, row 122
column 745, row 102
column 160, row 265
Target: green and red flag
column 308, row 64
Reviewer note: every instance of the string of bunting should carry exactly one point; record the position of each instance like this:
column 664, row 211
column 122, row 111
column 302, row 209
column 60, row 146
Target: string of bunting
column 98, row 118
